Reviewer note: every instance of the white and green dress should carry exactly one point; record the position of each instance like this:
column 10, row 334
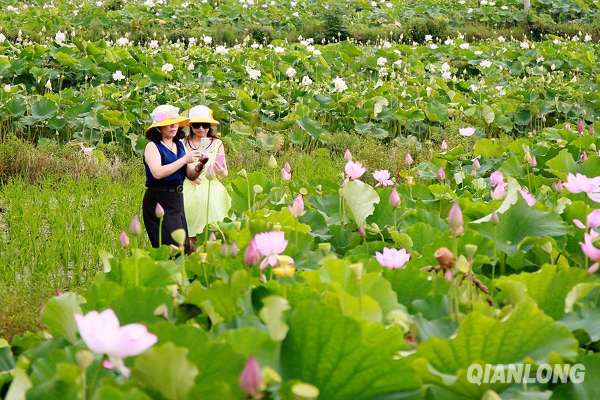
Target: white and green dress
column 205, row 201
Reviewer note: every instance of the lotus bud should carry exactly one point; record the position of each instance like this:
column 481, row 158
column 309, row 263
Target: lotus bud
column 444, row 145
column 305, row 391
column 408, row 159
column 212, row 237
column 476, row 164
column 297, row 207
column 583, row 157
column 272, row 162
column 162, row 311
column 547, row 247
column 159, row 211
column 455, row 220
column 84, row 358
column 285, row 175
column 124, row 240
column 394, row 198
column 325, row 247
column 347, row 155
column 251, row 255
column 444, row 257
column 135, row 227
column 178, row 236
column 530, row 158
column 471, row 249
column 567, row 126
column 441, row 174
column 357, row 269
column 251, row 378
column 225, row 250
column 203, row 257
column 494, row 218
column 243, row 173
column 580, row 126
column 557, row 186
column 237, row 225
column 257, row 189
column 448, row 275
column 361, row 231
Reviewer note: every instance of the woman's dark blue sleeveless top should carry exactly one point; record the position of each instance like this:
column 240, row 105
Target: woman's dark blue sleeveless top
column 167, row 157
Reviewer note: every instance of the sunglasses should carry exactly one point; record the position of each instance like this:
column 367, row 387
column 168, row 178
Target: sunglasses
column 198, row 125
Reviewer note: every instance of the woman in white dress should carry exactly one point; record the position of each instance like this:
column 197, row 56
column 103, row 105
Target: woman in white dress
column 205, row 199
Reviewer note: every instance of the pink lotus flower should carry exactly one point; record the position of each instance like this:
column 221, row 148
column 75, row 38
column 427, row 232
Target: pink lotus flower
column 466, row 131
column 588, row 248
column 496, row 178
column 408, row 159
column 394, row 198
column 124, row 240
column 528, row 197
column 382, row 177
column 251, row 255
column 579, row 183
column 455, row 220
column 354, row 170
column 269, row 245
column 392, row 258
column 530, row 158
column 593, row 221
column 499, row 191
column 441, row 174
column 297, row 207
column 347, row 155
column 251, row 378
column 103, row 335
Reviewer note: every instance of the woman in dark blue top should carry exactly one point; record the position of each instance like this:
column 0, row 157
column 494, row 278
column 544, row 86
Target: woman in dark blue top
column 167, row 164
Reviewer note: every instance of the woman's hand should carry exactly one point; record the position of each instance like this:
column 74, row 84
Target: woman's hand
column 192, row 155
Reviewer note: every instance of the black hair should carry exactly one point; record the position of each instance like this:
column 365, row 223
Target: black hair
column 154, row 134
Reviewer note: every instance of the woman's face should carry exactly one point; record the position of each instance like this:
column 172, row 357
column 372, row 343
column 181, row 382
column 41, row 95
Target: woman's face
column 200, row 129
column 169, row 131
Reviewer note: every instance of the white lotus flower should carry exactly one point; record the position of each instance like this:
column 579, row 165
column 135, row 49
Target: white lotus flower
column 253, row 73
column 428, row 38
column 306, row 81
column 153, row 44
column 60, row 37
column 190, row 66
column 149, row 3
column 221, row 50
column 290, row 72
column 2, row 38
column 192, row 41
column 168, row 67
column 122, row 41
column 381, row 61
column 464, row 46
column 466, row 131
column 587, row 38
column 448, row 42
column 279, row 50
column 206, row 39
column 501, row 39
column 118, row 75
column 340, row 84
column 524, row 45
column 485, row 63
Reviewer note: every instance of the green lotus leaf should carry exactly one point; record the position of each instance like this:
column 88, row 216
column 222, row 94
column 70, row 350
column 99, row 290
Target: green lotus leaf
column 360, row 200
column 59, row 315
column 333, row 352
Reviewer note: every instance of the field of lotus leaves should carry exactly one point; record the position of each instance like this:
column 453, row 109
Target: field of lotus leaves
column 478, row 243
